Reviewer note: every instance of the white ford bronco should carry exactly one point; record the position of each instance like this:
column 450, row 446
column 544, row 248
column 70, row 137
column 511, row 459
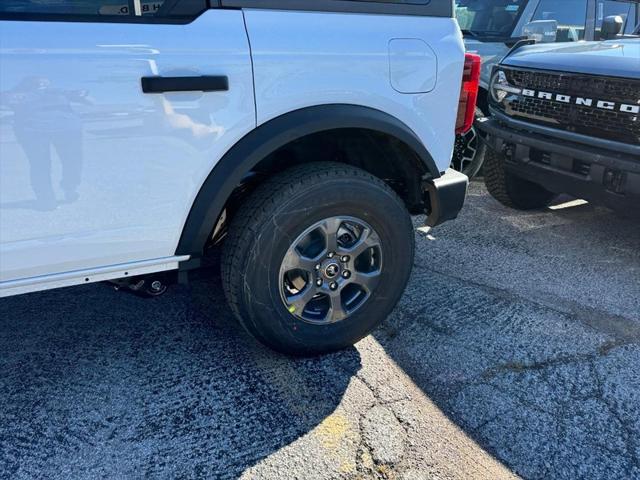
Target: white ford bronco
column 296, row 136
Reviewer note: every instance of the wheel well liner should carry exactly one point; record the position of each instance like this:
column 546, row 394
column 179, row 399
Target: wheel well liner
column 229, row 172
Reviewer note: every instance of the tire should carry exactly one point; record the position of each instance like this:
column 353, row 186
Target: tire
column 469, row 151
column 510, row 190
column 276, row 216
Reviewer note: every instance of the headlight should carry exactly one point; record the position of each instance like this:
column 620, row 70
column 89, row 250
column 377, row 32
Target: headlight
column 500, row 87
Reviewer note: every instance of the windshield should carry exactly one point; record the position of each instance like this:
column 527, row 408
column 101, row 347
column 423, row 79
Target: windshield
column 489, row 17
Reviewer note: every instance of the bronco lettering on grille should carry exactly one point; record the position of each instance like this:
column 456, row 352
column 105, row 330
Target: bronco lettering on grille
column 588, row 102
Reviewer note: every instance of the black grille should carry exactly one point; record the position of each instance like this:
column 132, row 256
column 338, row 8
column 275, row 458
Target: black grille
column 592, row 121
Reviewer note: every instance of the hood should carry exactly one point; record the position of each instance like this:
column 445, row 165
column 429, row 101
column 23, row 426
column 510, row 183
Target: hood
column 615, row 58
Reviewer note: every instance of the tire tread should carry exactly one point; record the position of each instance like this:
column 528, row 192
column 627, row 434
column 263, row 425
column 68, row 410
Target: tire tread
column 512, row 191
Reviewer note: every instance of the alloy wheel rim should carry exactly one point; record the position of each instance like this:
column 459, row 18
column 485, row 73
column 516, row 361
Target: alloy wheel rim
column 331, row 270
column 466, row 149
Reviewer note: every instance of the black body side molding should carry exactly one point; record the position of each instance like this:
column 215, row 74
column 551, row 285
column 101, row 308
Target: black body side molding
column 424, row 8
column 229, row 172
column 185, row 84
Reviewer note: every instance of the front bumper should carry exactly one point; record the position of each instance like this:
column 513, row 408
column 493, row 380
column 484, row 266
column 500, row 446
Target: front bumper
column 603, row 174
column 446, row 197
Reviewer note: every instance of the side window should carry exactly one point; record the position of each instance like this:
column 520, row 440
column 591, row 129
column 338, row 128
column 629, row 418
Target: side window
column 626, row 10
column 634, row 19
column 571, row 16
column 489, row 17
column 104, row 8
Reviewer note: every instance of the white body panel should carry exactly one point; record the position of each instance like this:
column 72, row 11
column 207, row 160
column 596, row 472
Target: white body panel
column 129, row 163
column 303, row 59
column 98, row 178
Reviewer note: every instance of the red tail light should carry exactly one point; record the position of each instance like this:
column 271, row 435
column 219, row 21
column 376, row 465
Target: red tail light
column 469, row 93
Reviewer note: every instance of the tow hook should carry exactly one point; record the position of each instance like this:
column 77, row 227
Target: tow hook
column 144, row 286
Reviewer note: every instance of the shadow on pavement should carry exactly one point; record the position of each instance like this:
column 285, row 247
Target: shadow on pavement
column 96, row 383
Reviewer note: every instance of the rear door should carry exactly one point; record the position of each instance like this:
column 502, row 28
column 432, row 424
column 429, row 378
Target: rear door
column 94, row 171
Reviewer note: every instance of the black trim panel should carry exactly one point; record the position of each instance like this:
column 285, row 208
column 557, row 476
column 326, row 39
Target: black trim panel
column 446, row 197
column 179, row 12
column 54, row 17
column 563, row 135
column 609, row 157
column 267, row 138
column 185, row 84
column 433, row 8
column 559, row 176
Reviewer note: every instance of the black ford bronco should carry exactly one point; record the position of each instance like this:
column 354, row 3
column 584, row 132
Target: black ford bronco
column 566, row 119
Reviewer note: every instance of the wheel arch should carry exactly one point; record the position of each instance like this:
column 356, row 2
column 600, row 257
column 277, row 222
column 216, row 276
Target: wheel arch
column 228, row 174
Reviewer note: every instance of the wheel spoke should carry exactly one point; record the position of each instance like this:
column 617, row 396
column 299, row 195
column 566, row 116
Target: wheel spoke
column 368, row 281
column 295, row 260
column 470, row 150
column 330, row 229
column 367, row 240
column 298, row 302
column 337, row 312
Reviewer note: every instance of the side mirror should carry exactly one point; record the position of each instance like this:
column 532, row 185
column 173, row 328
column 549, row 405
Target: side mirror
column 542, row 31
column 611, row 27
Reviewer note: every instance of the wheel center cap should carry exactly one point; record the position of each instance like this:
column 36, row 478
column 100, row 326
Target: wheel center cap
column 331, row 270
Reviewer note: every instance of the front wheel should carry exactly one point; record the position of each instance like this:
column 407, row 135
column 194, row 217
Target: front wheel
column 510, row 190
column 317, row 257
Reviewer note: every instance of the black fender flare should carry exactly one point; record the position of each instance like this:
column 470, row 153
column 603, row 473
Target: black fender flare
column 240, row 159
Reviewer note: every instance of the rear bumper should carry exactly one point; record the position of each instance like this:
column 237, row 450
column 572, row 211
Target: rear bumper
column 446, row 197
column 609, row 176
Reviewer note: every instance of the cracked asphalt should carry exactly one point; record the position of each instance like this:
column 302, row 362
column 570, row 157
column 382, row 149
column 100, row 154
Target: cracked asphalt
column 515, row 352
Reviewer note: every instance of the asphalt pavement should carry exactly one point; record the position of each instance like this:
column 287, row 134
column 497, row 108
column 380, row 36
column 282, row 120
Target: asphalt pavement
column 514, row 352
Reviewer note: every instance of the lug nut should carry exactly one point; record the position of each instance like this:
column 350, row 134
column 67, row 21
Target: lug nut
column 345, row 259
column 330, row 254
column 333, row 286
column 318, row 266
column 319, row 282
column 346, row 274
